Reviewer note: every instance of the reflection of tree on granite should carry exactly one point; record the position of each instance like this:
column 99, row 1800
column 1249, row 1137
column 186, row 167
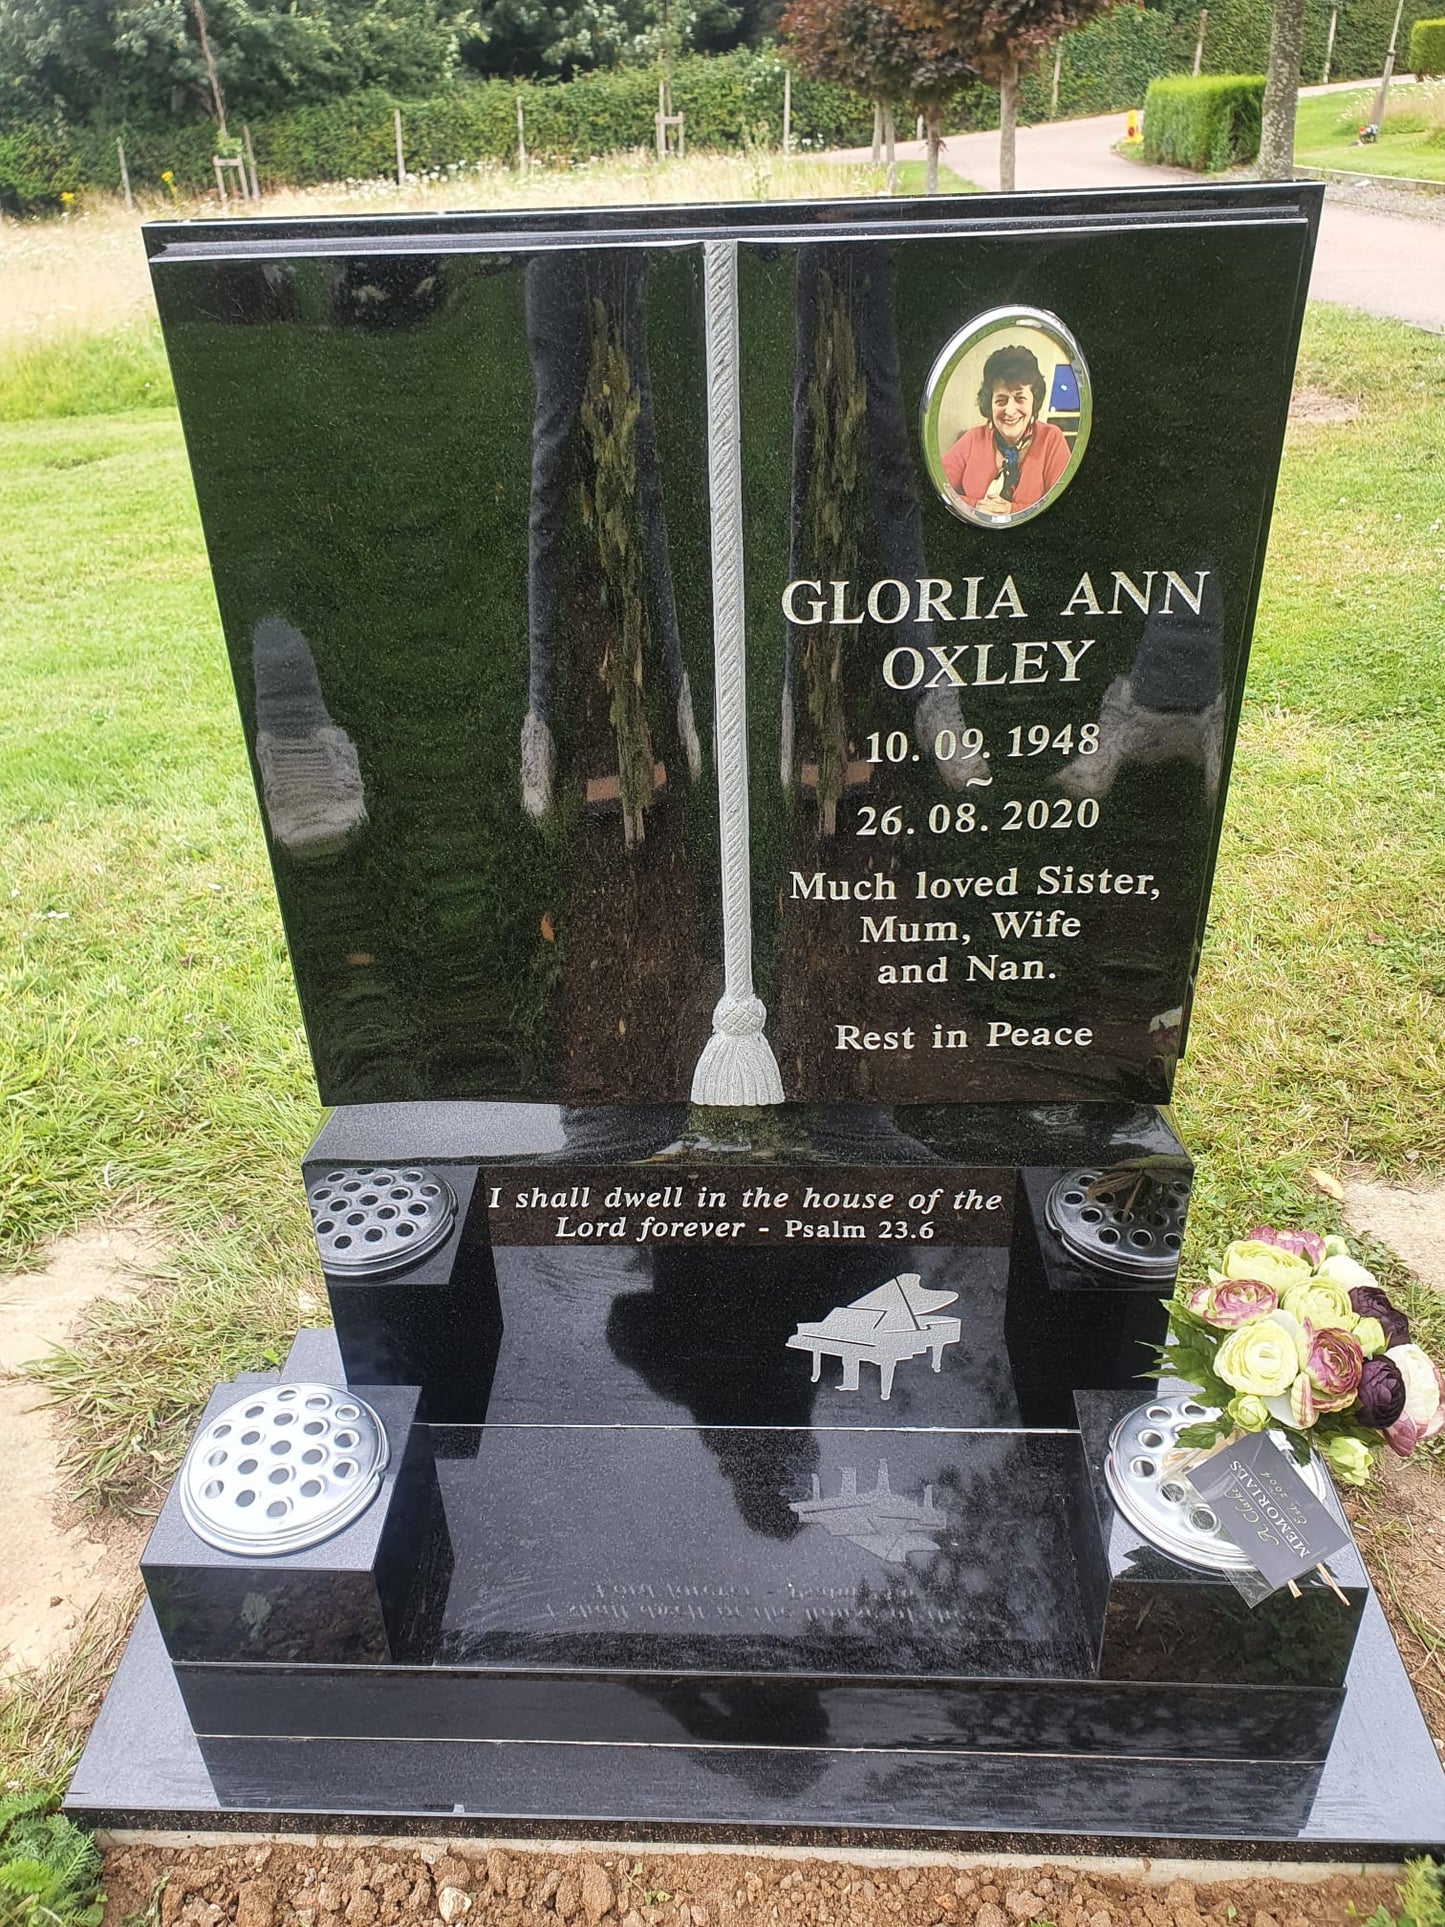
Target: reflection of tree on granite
column 635, row 990
column 587, row 337
column 834, row 405
column 854, row 504
column 855, row 517
column 610, row 411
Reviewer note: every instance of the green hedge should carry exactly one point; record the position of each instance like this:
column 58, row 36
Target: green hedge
column 1236, row 39
column 1209, row 122
column 1427, row 48
column 37, row 165
column 723, row 97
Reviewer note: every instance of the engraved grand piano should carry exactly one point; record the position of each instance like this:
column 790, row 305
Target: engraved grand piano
column 885, row 1327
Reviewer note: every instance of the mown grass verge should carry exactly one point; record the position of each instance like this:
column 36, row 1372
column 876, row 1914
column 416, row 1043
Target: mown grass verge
column 1411, row 143
column 81, row 373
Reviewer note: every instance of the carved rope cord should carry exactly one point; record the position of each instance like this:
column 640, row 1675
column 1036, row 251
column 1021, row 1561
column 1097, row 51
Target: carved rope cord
column 737, row 1066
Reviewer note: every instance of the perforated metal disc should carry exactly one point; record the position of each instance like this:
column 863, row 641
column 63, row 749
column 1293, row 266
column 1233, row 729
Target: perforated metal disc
column 1145, row 1471
column 370, row 1218
column 282, row 1469
column 1133, row 1228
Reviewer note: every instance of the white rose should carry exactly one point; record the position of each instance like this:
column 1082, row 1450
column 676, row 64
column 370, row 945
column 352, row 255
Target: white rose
column 1422, row 1383
column 1341, row 1269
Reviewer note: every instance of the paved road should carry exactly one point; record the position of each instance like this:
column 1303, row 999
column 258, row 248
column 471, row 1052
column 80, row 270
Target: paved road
column 1386, row 264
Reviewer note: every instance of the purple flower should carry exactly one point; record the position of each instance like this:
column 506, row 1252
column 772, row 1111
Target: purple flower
column 1368, row 1301
column 1300, row 1244
column 1382, row 1393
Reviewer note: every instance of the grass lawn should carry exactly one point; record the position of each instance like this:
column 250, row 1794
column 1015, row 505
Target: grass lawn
column 911, row 173
column 1412, row 144
column 151, row 1058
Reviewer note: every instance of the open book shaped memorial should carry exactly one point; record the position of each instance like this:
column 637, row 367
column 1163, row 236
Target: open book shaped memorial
column 883, row 1326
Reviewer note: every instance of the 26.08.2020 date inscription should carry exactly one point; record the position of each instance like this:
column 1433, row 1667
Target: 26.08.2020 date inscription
column 962, row 819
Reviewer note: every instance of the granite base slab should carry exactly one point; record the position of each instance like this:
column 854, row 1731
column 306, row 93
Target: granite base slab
column 1380, row 1793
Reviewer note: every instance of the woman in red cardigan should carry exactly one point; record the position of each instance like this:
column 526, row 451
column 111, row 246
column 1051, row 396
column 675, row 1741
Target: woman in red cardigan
column 1012, row 459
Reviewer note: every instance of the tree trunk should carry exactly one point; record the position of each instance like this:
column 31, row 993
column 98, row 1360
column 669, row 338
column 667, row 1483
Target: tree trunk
column 935, row 139
column 889, row 137
column 218, row 101
column 877, row 132
column 1281, row 91
column 1008, row 116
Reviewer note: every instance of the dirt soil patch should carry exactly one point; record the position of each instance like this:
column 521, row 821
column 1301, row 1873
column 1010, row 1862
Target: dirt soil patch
column 1410, row 1222
column 1314, row 405
column 338, row 1884
column 54, row 1565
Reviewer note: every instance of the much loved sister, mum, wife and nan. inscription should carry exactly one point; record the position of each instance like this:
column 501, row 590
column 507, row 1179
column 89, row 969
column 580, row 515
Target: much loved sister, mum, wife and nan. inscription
column 1042, row 779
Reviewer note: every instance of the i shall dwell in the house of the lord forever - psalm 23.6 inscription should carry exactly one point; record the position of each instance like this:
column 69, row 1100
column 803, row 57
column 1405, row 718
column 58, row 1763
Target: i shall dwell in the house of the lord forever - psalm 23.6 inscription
column 740, row 703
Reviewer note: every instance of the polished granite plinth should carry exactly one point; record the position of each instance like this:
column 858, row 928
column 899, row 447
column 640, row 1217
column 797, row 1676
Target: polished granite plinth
column 817, row 1632
column 1378, row 1794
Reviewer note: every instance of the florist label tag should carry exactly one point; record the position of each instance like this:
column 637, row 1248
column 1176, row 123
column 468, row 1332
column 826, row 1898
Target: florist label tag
column 1267, row 1509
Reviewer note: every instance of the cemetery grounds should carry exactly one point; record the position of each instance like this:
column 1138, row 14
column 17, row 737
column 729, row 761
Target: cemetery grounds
column 158, row 1095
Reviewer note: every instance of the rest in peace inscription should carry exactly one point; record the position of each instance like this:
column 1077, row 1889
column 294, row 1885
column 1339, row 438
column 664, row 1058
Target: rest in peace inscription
column 999, row 893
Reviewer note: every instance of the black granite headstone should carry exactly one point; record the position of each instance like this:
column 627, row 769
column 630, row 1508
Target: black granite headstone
column 741, row 702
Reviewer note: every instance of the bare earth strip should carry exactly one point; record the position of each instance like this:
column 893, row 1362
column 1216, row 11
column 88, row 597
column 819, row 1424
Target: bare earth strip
column 54, row 1567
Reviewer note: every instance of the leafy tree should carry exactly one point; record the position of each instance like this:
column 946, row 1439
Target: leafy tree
column 143, row 57
column 516, row 38
column 1000, row 40
column 872, row 49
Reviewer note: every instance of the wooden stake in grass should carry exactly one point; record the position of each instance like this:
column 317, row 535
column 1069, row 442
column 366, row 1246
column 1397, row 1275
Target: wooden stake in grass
column 1330, row 46
column 125, row 178
column 400, row 156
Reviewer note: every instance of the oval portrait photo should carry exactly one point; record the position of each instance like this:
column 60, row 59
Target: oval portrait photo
column 1006, row 416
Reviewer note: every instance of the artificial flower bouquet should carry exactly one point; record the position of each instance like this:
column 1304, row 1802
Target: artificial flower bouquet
column 1292, row 1332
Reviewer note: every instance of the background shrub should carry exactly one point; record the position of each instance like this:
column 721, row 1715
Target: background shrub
column 1209, row 122
column 1427, row 47
column 37, row 165
column 1236, row 40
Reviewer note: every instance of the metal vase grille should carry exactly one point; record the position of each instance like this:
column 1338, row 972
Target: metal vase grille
column 1132, row 1225
column 1147, row 1475
column 370, row 1218
column 282, row 1469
